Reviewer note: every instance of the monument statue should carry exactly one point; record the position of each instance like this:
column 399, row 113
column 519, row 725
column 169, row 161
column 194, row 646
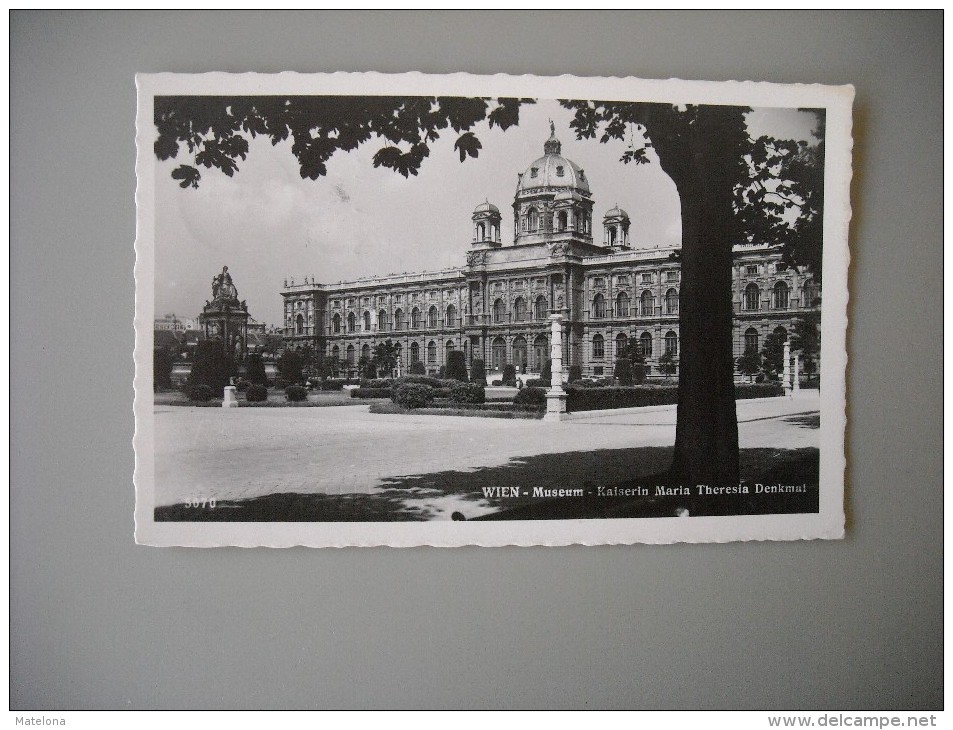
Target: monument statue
column 222, row 286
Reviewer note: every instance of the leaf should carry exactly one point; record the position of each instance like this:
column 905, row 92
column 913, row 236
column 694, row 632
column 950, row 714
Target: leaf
column 188, row 175
column 468, row 144
column 166, row 147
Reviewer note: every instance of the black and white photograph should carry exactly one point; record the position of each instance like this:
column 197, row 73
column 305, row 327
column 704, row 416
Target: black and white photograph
column 454, row 310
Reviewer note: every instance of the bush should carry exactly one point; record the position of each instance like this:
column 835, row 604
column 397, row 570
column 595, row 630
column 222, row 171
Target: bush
column 256, row 370
column 290, row 365
column 256, row 393
column 456, row 366
column 296, row 393
column 330, row 384
column 509, row 375
column 201, row 393
column 537, row 383
column 242, row 385
column 211, row 367
column 477, row 372
column 413, row 395
column 575, row 373
column 467, row 393
column 547, row 373
column 371, row 393
column 496, row 382
column 638, row 373
column 743, row 391
column 623, row 371
column 593, row 397
column 378, row 383
column 530, row 397
column 418, row 368
column 161, row 368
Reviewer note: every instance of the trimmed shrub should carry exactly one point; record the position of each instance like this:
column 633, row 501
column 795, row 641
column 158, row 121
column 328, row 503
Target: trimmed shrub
column 537, row 383
column 623, row 371
column 378, row 383
column 256, row 370
column 371, row 393
column 211, row 367
column 290, row 365
column 593, row 397
column 201, row 393
column 296, row 393
column 743, row 391
column 530, row 397
column 242, row 385
column 256, row 393
column 161, row 368
column 413, row 395
column 638, row 373
column 477, row 372
column 467, row 393
column 575, row 373
column 456, row 366
column 509, row 375
column 330, row 384
column 418, row 368
column 496, row 382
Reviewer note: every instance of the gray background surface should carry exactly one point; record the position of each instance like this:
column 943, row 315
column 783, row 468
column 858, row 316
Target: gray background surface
column 98, row 622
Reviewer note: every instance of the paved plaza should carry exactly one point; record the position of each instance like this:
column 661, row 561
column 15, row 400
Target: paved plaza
column 244, row 453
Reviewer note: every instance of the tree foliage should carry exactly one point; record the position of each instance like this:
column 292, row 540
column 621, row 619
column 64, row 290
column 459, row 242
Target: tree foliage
column 384, row 357
column 211, row 367
column 456, row 366
column 256, row 370
column 291, row 366
column 213, row 131
column 772, row 355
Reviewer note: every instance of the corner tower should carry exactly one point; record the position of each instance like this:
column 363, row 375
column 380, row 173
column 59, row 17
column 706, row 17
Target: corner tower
column 486, row 226
column 553, row 201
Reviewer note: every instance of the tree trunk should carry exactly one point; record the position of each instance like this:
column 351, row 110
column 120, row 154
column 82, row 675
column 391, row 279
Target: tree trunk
column 706, row 436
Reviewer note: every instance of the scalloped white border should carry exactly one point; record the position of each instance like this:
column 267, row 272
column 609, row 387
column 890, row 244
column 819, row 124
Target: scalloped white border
column 828, row 523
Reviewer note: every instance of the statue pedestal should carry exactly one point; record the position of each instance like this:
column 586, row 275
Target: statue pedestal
column 555, row 404
column 556, row 396
column 230, row 401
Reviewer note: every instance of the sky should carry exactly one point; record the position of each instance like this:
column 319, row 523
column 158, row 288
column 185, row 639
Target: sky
column 268, row 225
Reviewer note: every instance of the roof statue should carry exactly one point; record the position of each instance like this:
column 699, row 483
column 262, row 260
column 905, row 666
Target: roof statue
column 222, row 286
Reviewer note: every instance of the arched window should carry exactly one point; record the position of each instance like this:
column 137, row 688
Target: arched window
column 398, row 319
column 415, row 318
column 622, row 305
column 336, row 323
column 519, row 352
column 366, row 353
column 809, row 296
column 562, row 220
column 611, row 231
column 367, row 321
column 382, row 320
column 450, row 349
column 414, row 353
column 598, row 346
column 598, row 307
column 532, row 218
column 351, row 322
column 782, row 333
column 751, row 340
column 671, row 302
column 350, row 355
column 621, row 342
column 781, row 295
column 335, row 357
column 432, row 352
column 499, row 310
column 647, row 304
column 451, row 316
column 519, row 309
column 671, row 343
column 481, row 232
column 540, row 308
column 752, row 297
column 499, row 353
column 432, row 318
column 645, row 344
column 299, row 324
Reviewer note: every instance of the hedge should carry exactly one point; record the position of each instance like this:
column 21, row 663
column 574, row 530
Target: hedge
column 530, row 396
column 296, row 393
column 202, row 393
column 467, row 393
column 377, row 383
column 477, row 371
column 413, row 395
column 329, row 384
column 598, row 398
column 509, row 375
column 371, row 393
column 256, row 393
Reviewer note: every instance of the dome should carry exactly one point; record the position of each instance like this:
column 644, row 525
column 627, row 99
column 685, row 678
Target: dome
column 486, row 207
column 616, row 212
column 552, row 170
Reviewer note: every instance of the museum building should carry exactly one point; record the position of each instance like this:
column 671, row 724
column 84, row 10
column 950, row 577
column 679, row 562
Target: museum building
column 496, row 307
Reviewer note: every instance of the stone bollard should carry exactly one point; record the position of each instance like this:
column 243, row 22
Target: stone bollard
column 229, row 401
column 786, row 371
column 797, row 373
column 556, row 396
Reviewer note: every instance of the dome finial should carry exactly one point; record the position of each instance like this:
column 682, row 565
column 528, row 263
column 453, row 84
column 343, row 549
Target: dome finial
column 553, row 146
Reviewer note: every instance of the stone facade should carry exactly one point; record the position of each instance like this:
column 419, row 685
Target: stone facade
column 496, row 306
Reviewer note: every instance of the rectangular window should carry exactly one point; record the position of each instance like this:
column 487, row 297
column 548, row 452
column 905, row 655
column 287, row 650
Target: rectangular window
column 751, row 270
column 671, row 276
column 646, row 278
column 597, row 370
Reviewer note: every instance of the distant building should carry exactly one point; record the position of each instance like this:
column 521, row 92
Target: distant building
column 496, row 306
column 175, row 324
